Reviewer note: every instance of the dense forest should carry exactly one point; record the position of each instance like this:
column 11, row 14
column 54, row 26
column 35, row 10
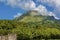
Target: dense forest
column 32, row 27
column 30, row 31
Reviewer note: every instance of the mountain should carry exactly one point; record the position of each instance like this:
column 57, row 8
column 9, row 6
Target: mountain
column 34, row 16
column 32, row 26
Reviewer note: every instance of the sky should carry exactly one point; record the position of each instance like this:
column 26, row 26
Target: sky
column 10, row 9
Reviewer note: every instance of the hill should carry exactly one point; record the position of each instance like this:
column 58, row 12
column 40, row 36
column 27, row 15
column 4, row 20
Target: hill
column 32, row 26
column 34, row 16
column 39, row 26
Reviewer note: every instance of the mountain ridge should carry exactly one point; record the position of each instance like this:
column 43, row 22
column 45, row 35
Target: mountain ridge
column 34, row 16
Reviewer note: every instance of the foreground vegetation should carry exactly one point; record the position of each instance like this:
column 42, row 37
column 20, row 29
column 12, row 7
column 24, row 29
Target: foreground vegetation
column 30, row 31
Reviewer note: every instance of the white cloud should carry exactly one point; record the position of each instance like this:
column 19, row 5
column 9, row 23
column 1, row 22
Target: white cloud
column 27, row 5
column 24, row 4
column 43, row 11
column 52, row 3
column 30, row 5
column 52, row 14
column 17, row 15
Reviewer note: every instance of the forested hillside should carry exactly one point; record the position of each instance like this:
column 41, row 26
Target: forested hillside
column 26, row 31
column 32, row 27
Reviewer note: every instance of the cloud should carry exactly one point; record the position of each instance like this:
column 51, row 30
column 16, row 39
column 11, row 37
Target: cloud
column 2, row 0
column 24, row 4
column 30, row 5
column 52, row 3
column 27, row 5
column 52, row 14
column 43, row 11
column 17, row 15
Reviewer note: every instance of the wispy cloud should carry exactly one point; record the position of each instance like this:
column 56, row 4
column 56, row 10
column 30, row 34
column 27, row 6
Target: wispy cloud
column 52, row 3
column 54, row 15
column 43, row 11
column 24, row 4
column 17, row 15
column 31, row 5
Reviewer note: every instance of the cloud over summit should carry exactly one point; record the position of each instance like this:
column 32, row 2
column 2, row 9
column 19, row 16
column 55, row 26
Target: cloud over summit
column 52, row 3
column 31, row 5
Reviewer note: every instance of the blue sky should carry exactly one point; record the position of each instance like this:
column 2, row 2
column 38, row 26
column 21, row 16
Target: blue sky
column 9, row 9
column 7, row 12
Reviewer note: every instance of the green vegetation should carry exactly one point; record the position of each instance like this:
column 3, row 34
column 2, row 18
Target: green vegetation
column 30, row 31
column 32, row 27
